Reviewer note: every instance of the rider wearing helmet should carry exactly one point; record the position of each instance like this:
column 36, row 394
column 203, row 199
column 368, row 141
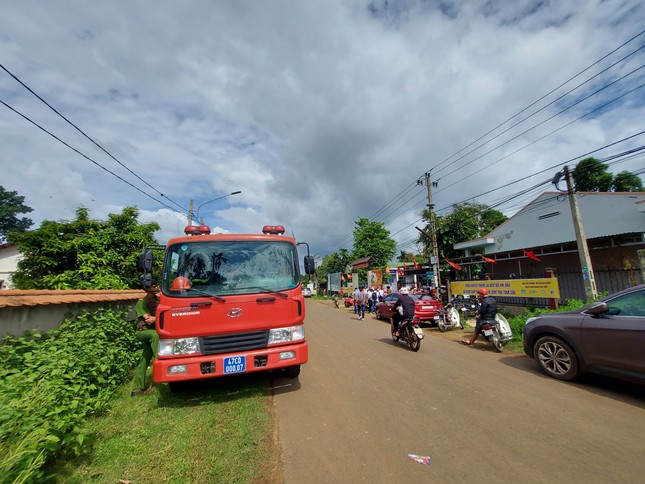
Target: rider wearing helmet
column 406, row 303
column 487, row 312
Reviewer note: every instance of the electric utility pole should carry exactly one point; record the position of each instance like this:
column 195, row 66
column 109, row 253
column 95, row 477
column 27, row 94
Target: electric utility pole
column 583, row 250
column 434, row 250
column 190, row 212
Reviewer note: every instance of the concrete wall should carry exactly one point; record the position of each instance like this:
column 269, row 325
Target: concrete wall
column 18, row 319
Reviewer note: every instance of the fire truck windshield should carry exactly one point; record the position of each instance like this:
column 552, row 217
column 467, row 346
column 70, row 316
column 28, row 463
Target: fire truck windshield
column 229, row 267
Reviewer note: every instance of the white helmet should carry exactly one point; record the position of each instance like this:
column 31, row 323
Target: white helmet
column 404, row 290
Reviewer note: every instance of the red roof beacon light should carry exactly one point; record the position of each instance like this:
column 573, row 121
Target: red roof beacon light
column 191, row 230
column 273, row 229
column 197, row 230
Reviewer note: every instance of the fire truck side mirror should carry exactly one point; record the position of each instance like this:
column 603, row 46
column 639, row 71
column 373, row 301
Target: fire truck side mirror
column 146, row 280
column 145, row 261
column 310, row 264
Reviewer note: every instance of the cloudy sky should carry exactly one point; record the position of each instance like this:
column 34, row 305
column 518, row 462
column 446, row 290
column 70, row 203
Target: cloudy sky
column 319, row 112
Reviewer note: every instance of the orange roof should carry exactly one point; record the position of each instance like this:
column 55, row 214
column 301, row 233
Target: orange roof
column 38, row 297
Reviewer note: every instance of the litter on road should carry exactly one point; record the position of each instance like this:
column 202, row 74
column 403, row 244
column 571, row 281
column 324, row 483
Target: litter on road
column 421, row 459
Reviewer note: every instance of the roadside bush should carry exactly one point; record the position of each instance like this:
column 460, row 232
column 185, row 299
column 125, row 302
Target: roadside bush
column 517, row 322
column 51, row 383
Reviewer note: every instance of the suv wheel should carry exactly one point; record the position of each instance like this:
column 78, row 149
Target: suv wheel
column 556, row 358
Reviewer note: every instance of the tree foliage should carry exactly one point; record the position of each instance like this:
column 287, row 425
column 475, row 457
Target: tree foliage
column 409, row 257
column 12, row 204
column 83, row 253
column 591, row 175
column 626, row 181
column 467, row 221
column 335, row 262
column 372, row 239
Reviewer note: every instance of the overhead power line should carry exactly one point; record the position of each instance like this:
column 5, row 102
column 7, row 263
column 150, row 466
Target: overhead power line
column 86, row 136
column 551, row 92
column 86, row 157
column 407, row 189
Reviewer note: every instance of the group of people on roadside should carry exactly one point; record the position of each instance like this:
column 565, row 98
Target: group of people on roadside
column 366, row 299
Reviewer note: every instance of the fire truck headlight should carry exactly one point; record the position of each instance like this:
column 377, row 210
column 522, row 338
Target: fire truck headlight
column 285, row 335
column 180, row 346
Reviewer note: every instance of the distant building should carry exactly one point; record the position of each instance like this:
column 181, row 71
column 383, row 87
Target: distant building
column 614, row 225
column 9, row 257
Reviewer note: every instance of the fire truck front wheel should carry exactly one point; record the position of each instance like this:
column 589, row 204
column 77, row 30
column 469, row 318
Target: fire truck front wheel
column 292, row 371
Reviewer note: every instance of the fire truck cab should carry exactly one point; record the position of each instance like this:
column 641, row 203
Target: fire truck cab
column 229, row 304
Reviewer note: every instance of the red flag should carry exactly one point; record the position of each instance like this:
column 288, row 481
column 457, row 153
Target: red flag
column 342, row 277
column 452, row 264
column 387, row 269
column 401, row 270
column 416, row 264
column 531, row 255
column 488, row 259
column 349, row 276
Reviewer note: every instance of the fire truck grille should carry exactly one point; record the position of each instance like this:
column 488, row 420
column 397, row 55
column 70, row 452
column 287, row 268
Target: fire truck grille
column 230, row 343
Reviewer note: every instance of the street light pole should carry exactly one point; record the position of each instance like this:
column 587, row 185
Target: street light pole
column 209, row 201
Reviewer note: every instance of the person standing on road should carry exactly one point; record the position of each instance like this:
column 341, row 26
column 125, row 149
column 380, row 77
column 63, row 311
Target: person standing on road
column 356, row 293
column 487, row 312
column 361, row 299
column 146, row 310
column 373, row 300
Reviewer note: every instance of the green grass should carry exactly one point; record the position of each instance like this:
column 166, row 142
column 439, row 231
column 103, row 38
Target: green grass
column 216, row 431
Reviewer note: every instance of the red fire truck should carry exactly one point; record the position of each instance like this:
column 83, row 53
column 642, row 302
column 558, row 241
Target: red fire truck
column 229, row 304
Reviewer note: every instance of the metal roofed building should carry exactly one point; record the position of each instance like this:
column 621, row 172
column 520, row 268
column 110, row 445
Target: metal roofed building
column 614, row 225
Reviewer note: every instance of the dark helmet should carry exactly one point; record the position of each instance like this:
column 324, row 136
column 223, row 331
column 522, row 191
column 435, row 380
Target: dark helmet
column 483, row 291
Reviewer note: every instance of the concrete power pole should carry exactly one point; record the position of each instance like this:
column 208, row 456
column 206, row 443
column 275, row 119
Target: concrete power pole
column 190, row 212
column 434, row 258
column 583, row 250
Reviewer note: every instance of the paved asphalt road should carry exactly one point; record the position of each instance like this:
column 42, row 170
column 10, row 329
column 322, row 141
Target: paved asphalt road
column 363, row 403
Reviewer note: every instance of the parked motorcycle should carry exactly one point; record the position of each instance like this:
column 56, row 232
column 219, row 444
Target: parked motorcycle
column 449, row 318
column 409, row 332
column 466, row 306
column 497, row 332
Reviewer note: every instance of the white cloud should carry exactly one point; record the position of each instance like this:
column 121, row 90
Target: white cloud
column 319, row 112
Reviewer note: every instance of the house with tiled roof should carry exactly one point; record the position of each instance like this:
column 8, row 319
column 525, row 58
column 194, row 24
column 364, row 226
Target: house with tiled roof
column 614, row 226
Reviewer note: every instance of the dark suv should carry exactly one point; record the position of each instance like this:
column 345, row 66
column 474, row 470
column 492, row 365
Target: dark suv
column 606, row 337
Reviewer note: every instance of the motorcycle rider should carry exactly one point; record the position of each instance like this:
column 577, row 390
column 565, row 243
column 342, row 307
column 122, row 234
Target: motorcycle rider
column 406, row 303
column 487, row 312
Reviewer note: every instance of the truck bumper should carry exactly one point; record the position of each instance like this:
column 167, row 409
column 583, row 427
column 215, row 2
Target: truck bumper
column 211, row 366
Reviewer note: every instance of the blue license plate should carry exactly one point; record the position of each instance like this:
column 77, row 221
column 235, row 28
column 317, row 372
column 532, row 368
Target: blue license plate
column 234, row 364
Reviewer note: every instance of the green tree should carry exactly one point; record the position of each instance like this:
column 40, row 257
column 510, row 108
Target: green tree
column 467, row 221
column 591, row 175
column 372, row 239
column 335, row 262
column 83, row 253
column 627, row 181
column 12, row 204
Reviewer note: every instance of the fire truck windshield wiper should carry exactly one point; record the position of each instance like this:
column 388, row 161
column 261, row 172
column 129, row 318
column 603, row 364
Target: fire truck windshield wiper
column 264, row 289
column 208, row 294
